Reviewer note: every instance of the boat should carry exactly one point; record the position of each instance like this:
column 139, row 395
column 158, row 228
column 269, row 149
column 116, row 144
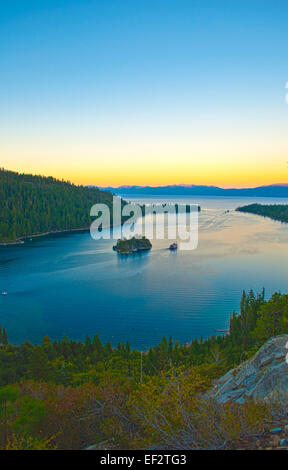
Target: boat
column 4, row 293
column 173, row 246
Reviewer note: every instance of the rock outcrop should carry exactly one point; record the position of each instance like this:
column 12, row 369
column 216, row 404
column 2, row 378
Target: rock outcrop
column 264, row 377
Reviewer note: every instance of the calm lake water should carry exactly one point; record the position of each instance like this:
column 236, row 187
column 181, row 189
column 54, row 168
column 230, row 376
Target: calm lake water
column 73, row 285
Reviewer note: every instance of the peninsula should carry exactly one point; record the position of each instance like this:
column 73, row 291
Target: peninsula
column 273, row 211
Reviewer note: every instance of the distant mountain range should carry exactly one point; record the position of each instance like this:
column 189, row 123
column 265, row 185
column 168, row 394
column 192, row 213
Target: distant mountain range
column 276, row 190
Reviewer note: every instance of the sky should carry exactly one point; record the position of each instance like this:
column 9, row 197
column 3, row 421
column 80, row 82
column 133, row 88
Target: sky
column 145, row 92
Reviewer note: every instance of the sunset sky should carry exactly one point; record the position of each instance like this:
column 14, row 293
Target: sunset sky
column 146, row 92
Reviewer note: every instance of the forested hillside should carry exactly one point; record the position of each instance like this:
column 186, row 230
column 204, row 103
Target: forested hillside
column 35, row 204
column 68, row 394
column 273, row 211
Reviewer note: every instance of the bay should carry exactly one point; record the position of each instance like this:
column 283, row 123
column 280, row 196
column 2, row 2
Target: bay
column 73, row 285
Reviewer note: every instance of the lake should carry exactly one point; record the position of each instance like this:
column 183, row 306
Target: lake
column 73, row 285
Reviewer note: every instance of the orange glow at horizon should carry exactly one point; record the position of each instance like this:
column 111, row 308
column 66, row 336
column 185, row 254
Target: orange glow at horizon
column 231, row 152
column 248, row 162
column 235, row 175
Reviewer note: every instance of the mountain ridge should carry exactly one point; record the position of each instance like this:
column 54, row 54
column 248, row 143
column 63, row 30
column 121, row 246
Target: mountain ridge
column 273, row 190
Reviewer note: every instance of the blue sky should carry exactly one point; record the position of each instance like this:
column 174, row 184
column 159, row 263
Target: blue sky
column 93, row 85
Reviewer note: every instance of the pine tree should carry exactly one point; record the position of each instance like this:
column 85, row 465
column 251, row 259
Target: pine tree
column 4, row 337
column 128, row 348
column 97, row 345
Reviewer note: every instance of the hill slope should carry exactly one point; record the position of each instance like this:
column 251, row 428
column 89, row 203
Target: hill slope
column 72, row 395
column 30, row 205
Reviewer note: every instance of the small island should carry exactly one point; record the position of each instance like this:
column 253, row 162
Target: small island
column 133, row 245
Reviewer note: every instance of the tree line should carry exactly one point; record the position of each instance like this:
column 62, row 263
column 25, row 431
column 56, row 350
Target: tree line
column 127, row 397
column 31, row 205
column 273, row 211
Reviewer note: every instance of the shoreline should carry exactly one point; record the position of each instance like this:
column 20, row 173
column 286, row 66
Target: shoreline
column 21, row 241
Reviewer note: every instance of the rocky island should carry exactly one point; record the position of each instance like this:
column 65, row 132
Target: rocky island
column 133, row 245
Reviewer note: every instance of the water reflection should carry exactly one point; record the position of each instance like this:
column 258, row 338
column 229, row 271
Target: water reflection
column 74, row 285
